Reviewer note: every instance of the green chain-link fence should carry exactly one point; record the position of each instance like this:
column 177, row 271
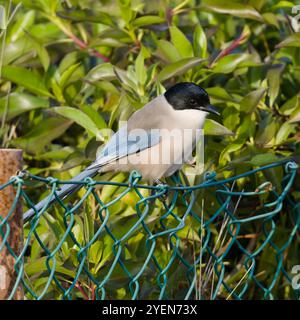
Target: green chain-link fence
column 127, row 240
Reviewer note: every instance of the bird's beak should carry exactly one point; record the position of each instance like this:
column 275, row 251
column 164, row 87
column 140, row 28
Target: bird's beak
column 211, row 109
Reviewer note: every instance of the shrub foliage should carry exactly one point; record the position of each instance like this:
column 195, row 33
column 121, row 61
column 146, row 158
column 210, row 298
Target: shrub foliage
column 72, row 69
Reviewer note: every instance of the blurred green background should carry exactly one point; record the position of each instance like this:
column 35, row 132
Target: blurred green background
column 70, row 69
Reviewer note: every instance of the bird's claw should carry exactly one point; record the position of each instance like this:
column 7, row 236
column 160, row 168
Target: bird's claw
column 164, row 187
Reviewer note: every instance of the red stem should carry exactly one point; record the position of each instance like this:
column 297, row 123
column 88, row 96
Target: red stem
column 83, row 45
column 78, row 286
column 226, row 51
column 93, row 293
column 169, row 16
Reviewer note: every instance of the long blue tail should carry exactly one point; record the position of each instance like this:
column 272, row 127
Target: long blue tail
column 66, row 190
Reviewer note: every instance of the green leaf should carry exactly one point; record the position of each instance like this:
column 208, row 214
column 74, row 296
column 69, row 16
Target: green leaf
column 283, row 133
column 84, row 15
column 230, row 62
column 17, row 49
column 219, row 93
column 22, row 24
column 106, row 253
column 104, row 71
column 181, row 43
column 146, row 20
column 57, row 153
column 168, row 51
column 295, row 118
column 231, row 117
column 200, row 42
column 109, row 190
column 225, row 154
column 247, row 127
column 290, row 106
column 214, row 128
column 95, row 252
column 69, row 60
column 267, row 131
column 42, row 134
column 95, row 115
column 178, row 68
column 3, row 19
column 79, row 117
column 19, row 103
column 73, row 160
column 41, row 51
column 26, row 78
column 66, row 75
column 257, row 4
column 36, row 248
column 234, row 8
column 39, row 265
column 45, row 31
column 291, row 41
column 91, row 148
column 263, row 159
column 127, row 82
column 282, row 4
column 127, row 12
column 274, row 76
column 140, row 69
column 251, row 100
column 271, row 18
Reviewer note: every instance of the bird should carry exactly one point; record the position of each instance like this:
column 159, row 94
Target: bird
column 145, row 143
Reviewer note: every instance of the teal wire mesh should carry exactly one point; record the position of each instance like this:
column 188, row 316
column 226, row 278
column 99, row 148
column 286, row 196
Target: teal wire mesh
column 127, row 240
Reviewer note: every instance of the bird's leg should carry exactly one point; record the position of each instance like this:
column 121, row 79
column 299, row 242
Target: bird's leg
column 158, row 182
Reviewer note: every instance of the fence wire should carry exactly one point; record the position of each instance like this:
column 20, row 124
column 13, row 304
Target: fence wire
column 126, row 240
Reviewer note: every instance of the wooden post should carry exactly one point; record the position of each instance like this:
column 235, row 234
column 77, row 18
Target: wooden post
column 10, row 163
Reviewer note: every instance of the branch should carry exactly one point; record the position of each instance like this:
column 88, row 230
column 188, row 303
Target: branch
column 235, row 43
column 83, row 45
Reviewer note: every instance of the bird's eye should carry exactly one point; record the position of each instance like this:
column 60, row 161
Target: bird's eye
column 192, row 101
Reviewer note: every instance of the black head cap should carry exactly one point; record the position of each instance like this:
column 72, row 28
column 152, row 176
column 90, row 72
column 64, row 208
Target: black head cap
column 188, row 95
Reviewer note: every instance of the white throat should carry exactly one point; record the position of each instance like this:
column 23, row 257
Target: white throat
column 187, row 118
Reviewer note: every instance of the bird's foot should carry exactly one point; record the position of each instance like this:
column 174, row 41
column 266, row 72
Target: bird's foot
column 163, row 197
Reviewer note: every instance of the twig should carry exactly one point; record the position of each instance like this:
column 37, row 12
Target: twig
column 200, row 261
column 75, row 39
column 235, row 43
column 3, row 43
column 194, row 257
column 243, row 277
column 83, row 45
column 4, row 113
column 169, row 16
column 78, row 286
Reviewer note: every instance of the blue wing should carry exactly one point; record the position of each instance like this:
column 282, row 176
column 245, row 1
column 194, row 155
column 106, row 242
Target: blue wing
column 122, row 144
